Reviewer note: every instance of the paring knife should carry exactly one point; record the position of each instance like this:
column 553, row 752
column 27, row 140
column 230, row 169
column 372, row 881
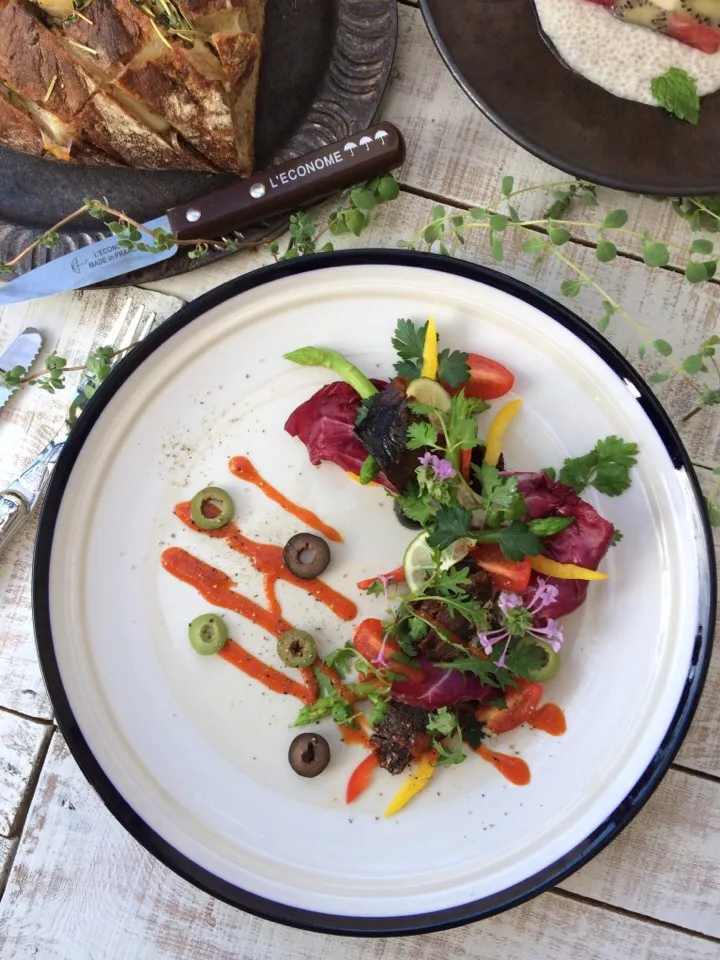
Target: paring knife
column 279, row 190
column 21, row 353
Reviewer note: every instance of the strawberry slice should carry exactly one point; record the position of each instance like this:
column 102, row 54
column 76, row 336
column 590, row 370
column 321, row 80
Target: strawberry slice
column 698, row 35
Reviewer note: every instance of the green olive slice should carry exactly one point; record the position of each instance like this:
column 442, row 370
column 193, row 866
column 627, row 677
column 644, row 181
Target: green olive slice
column 208, row 634
column 221, row 500
column 296, row 648
column 550, row 663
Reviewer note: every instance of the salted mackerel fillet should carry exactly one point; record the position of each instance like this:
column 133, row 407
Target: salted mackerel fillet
column 152, row 84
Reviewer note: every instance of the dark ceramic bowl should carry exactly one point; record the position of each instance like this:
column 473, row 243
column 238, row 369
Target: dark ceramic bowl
column 496, row 52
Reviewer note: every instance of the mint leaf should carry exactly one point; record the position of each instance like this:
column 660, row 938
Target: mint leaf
column 676, row 91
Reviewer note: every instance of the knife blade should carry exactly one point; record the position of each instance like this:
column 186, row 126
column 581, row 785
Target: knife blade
column 21, row 353
column 280, row 189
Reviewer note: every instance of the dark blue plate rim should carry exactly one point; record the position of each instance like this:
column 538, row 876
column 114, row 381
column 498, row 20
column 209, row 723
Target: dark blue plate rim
column 308, row 919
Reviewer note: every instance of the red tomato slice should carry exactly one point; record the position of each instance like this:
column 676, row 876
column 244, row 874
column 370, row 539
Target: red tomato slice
column 681, row 27
column 368, row 641
column 506, row 574
column 488, row 378
column 360, row 778
column 521, row 703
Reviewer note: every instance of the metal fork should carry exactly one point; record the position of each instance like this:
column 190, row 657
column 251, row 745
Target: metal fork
column 19, row 499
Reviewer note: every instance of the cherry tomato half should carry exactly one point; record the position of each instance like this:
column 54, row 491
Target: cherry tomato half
column 506, row 574
column 521, row 704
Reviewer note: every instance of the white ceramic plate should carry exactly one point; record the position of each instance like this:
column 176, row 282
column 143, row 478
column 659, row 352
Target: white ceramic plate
column 190, row 754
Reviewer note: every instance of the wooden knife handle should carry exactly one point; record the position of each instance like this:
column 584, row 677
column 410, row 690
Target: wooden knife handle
column 290, row 185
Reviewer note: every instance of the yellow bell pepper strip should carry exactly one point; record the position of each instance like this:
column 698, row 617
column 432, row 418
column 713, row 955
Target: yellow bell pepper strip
column 416, row 782
column 493, row 447
column 430, row 352
column 564, row 571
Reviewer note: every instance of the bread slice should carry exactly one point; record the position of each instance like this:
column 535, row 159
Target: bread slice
column 177, row 84
column 17, row 129
column 106, row 124
column 149, row 83
column 35, row 64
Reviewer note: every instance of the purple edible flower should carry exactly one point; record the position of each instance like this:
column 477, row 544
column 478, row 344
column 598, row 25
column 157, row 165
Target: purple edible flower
column 442, row 469
column 548, row 631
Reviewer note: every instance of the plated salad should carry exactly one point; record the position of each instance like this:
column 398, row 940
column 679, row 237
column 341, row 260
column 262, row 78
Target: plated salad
column 468, row 627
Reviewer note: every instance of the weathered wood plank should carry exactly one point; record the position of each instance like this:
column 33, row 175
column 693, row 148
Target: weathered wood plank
column 662, row 300
column 666, row 864
column 79, row 879
column 21, row 742
column 456, row 152
column 72, row 324
column 7, row 851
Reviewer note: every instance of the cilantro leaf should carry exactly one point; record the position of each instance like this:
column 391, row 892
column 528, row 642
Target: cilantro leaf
column 421, row 434
column 525, row 659
column 379, row 711
column 342, row 711
column 375, row 589
column 501, row 497
column 341, row 660
column 325, row 688
column 616, row 537
column 410, row 369
column 462, row 431
column 606, row 467
column 453, row 367
column 549, row 526
column 442, row 721
column 516, row 541
column 409, row 340
column 451, row 523
column 615, row 460
column 473, row 731
column 415, row 508
column 447, row 756
column 676, row 91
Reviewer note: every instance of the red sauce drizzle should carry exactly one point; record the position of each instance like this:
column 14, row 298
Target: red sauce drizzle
column 513, row 769
column 243, row 469
column 219, row 590
column 550, row 719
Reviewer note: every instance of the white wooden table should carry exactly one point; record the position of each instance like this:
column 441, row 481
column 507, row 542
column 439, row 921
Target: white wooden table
column 75, row 886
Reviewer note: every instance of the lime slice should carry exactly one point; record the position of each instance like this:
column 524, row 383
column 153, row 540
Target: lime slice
column 425, row 390
column 418, row 563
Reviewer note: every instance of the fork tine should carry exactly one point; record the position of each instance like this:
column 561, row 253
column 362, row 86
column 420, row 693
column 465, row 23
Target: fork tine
column 147, row 327
column 120, row 323
column 131, row 331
